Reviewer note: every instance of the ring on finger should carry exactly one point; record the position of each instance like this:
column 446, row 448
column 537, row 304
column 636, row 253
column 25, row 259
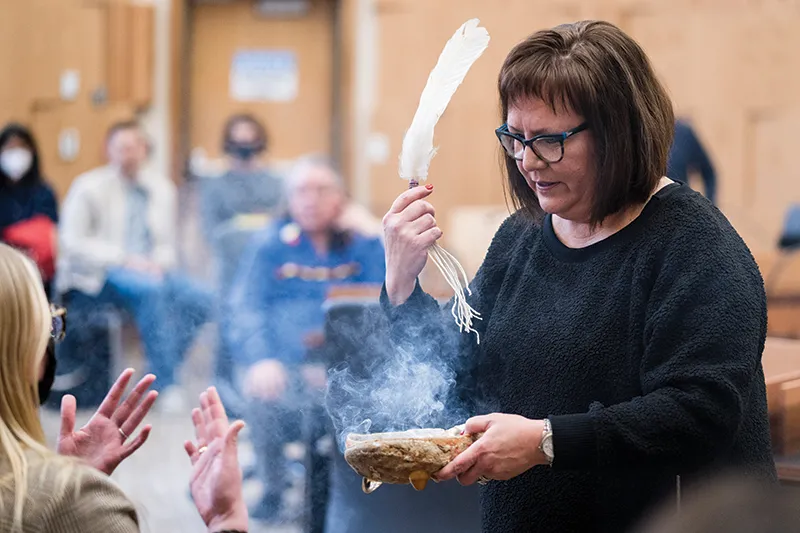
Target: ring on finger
column 124, row 435
column 202, row 450
column 483, row 480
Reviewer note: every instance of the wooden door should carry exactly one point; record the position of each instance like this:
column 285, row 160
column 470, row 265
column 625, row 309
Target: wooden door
column 221, row 33
column 46, row 41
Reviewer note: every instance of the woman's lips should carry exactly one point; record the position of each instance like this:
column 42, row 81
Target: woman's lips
column 545, row 185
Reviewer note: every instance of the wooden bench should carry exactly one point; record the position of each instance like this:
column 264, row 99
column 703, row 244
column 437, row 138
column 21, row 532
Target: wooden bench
column 781, row 273
column 781, row 363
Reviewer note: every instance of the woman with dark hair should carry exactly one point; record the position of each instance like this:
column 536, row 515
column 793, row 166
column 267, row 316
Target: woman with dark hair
column 623, row 318
column 28, row 206
column 228, row 203
column 247, row 187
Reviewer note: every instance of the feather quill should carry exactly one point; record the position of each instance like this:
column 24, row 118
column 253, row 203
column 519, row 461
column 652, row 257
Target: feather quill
column 460, row 52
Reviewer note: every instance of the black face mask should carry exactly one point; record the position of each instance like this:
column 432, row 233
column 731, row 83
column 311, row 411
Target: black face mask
column 46, row 383
column 244, row 152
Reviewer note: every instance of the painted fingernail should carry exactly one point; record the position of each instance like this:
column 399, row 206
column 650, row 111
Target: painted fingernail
column 429, row 186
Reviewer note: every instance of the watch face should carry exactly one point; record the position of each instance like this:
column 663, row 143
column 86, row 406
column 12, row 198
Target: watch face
column 547, row 446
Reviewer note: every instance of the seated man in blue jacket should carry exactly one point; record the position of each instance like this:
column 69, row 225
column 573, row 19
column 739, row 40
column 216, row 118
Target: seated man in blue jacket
column 277, row 312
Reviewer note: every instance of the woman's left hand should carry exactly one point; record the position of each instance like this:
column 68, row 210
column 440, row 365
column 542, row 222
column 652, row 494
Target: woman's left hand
column 216, row 482
column 509, row 446
column 104, row 441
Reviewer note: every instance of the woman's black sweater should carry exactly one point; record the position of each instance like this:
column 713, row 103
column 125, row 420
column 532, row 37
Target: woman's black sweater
column 643, row 349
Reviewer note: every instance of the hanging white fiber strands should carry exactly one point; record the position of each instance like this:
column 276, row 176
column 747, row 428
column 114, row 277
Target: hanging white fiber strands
column 460, row 52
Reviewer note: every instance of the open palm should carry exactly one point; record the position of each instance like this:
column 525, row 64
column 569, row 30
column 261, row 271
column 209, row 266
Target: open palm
column 216, row 481
column 103, row 441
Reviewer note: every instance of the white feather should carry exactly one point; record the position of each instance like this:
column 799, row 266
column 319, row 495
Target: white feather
column 460, row 52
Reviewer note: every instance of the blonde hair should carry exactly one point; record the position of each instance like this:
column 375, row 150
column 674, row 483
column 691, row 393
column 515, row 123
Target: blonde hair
column 25, row 324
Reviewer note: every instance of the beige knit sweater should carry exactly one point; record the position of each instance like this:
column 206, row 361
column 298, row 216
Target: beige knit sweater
column 91, row 502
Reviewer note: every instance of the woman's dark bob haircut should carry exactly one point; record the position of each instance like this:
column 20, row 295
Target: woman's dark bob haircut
column 595, row 70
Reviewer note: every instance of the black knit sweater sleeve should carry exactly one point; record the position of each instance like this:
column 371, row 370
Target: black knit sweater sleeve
column 704, row 332
column 421, row 324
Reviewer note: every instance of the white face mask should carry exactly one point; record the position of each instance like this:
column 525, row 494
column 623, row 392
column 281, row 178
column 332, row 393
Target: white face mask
column 16, row 162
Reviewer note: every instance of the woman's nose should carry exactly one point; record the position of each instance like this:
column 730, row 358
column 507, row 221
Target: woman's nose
column 531, row 161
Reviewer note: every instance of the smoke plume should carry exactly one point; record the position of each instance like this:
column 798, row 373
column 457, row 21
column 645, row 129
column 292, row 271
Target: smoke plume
column 383, row 387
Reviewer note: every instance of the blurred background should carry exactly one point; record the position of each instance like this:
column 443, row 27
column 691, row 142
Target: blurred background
column 342, row 78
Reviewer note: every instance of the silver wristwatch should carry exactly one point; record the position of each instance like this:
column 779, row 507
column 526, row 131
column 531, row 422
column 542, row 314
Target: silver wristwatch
column 546, row 446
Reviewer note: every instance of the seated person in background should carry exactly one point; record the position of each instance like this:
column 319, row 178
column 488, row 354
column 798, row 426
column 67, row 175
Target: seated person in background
column 247, row 187
column 277, row 310
column 70, row 491
column 28, row 207
column 686, row 155
column 118, row 247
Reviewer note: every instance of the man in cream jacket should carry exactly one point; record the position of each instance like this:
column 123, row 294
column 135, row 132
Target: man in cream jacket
column 117, row 245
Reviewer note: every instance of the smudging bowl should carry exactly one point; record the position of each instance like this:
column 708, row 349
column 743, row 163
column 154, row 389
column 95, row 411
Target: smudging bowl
column 404, row 457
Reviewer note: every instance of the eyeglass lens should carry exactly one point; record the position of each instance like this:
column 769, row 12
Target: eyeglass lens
column 549, row 149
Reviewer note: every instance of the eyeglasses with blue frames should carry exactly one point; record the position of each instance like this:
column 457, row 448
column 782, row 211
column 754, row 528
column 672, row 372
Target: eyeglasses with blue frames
column 549, row 147
column 58, row 328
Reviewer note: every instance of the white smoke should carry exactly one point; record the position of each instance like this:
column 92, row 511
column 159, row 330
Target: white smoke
column 401, row 388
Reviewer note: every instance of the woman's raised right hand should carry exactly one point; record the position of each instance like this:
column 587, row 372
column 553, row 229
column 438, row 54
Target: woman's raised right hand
column 410, row 229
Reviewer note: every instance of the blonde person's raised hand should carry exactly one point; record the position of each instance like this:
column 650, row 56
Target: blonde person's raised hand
column 409, row 229
column 108, row 438
column 216, row 480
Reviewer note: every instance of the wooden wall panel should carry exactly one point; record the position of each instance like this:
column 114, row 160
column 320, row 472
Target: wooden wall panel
column 118, row 39
column 730, row 67
column 735, row 74
column 466, row 170
column 218, row 31
column 130, row 57
column 773, row 179
column 83, row 49
column 45, row 54
column 142, row 55
column 40, row 40
column 347, row 13
column 91, row 125
column 178, row 85
column 13, row 101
